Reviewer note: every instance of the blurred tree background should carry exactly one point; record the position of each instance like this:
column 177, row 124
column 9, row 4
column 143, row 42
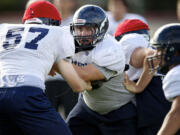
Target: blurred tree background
column 12, row 5
column 140, row 6
column 157, row 12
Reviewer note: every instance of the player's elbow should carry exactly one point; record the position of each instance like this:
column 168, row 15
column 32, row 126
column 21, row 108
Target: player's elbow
column 79, row 88
column 85, row 77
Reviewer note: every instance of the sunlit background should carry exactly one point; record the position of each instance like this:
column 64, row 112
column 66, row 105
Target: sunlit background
column 157, row 12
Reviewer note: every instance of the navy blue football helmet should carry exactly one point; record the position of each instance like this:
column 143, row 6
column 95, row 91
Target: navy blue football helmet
column 90, row 16
column 167, row 39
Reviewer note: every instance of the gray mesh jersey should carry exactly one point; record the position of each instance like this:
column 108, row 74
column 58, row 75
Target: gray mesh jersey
column 109, row 58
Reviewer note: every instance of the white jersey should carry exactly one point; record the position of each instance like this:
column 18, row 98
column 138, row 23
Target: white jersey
column 107, row 54
column 171, row 83
column 113, row 23
column 129, row 43
column 64, row 22
column 108, row 57
column 31, row 49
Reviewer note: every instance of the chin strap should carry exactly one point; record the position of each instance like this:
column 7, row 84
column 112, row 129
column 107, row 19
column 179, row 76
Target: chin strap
column 79, row 48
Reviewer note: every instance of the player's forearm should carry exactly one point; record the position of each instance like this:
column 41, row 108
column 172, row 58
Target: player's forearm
column 89, row 72
column 72, row 78
column 142, row 83
column 130, row 85
column 171, row 124
column 84, row 86
column 144, row 80
column 81, row 72
column 77, row 84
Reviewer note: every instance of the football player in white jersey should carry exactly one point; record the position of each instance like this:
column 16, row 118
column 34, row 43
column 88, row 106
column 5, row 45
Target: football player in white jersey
column 27, row 53
column 166, row 40
column 108, row 108
column 133, row 36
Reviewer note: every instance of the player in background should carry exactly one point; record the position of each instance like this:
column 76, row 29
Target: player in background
column 27, row 53
column 66, row 9
column 178, row 10
column 118, row 12
column 133, row 36
column 166, row 40
column 108, row 107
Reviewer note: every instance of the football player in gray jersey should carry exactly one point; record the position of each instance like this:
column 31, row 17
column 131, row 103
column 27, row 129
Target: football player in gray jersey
column 108, row 108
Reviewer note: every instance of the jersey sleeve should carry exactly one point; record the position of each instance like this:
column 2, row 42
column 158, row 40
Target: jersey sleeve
column 2, row 31
column 109, row 55
column 130, row 42
column 171, row 84
column 106, row 72
column 66, row 45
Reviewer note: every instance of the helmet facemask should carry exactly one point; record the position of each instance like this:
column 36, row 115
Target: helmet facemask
column 86, row 35
column 94, row 19
column 165, row 56
column 156, row 61
column 166, row 39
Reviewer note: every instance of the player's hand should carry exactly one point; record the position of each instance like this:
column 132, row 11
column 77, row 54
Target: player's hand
column 128, row 84
column 52, row 72
column 89, row 86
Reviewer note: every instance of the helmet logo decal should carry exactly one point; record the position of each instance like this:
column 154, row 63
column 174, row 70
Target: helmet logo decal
column 80, row 21
column 103, row 23
column 32, row 12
